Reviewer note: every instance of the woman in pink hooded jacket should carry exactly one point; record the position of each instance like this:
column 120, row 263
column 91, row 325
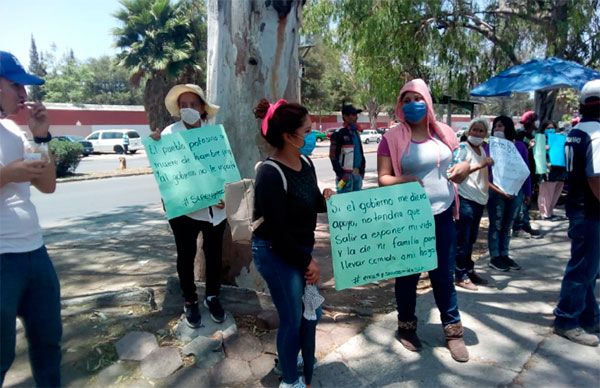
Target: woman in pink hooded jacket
column 420, row 149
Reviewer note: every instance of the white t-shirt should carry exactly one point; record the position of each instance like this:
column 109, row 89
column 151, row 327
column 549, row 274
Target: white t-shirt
column 210, row 214
column 19, row 225
column 476, row 186
column 429, row 161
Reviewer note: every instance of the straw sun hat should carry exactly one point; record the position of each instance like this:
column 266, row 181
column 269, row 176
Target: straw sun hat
column 177, row 90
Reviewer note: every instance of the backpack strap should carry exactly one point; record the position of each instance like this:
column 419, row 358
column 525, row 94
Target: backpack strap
column 276, row 166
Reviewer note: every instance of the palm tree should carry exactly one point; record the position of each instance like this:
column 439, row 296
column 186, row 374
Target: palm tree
column 160, row 45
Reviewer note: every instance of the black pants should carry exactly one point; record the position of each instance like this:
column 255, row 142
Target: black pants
column 186, row 230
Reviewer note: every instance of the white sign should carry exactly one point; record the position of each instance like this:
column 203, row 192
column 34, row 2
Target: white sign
column 509, row 170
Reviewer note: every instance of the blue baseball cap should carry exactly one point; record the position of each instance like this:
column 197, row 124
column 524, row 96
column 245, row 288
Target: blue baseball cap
column 11, row 69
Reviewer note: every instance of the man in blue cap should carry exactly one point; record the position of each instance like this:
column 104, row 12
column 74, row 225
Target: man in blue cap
column 29, row 287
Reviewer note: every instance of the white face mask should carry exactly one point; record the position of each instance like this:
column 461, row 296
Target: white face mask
column 475, row 140
column 189, row 115
column 499, row 135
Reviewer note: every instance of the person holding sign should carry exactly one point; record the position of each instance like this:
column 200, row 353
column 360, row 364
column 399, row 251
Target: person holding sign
column 503, row 208
column 286, row 202
column 420, row 149
column 188, row 103
column 473, row 194
column 552, row 183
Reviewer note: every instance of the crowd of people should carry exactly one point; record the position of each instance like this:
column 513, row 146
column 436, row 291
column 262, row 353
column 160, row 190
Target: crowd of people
column 456, row 176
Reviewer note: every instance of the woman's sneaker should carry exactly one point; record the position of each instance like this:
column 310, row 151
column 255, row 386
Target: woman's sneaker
column 192, row 314
column 216, row 310
column 499, row 263
column 511, row 263
column 298, row 384
column 476, row 279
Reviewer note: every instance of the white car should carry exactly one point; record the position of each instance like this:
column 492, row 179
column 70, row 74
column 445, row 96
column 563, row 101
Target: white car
column 111, row 140
column 370, row 135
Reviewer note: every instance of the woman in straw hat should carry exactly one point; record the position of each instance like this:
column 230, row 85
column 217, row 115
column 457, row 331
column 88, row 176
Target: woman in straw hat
column 188, row 103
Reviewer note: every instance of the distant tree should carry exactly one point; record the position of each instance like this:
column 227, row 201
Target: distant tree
column 160, row 42
column 36, row 66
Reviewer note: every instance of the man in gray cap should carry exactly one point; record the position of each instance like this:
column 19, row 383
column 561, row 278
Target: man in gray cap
column 29, row 286
column 577, row 314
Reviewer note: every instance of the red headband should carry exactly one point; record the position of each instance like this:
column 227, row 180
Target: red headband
column 269, row 115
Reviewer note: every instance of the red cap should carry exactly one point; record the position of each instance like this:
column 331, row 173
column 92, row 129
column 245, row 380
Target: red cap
column 528, row 117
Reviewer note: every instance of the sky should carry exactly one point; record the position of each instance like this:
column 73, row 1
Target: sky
column 82, row 25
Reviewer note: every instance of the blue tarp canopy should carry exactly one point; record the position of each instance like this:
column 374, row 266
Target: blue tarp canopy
column 545, row 74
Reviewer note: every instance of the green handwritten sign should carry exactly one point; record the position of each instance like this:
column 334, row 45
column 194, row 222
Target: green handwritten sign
column 381, row 233
column 539, row 154
column 191, row 168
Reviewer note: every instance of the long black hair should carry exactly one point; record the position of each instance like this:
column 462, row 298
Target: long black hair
column 509, row 127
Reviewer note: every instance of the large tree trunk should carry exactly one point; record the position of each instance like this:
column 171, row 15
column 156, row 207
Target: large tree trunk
column 252, row 54
column 544, row 104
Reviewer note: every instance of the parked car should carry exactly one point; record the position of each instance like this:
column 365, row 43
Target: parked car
column 381, row 131
column 88, row 148
column 320, row 136
column 111, row 140
column 370, row 135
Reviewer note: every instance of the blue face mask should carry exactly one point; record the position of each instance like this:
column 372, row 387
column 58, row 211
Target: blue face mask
column 310, row 142
column 414, row 111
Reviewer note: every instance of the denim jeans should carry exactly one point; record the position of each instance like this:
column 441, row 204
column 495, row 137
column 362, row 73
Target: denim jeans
column 295, row 333
column 442, row 278
column 467, row 228
column 577, row 305
column 522, row 221
column 29, row 289
column 186, row 230
column 502, row 213
column 354, row 185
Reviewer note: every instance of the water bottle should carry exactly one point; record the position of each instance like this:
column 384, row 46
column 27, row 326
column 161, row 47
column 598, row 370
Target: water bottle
column 459, row 155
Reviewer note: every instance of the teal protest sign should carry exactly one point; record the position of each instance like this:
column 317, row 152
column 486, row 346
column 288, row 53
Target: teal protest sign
column 556, row 144
column 539, row 154
column 191, row 168
column 381, row 233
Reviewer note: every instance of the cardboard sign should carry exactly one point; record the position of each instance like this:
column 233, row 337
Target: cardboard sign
column 556, row 152
column 509, row 169
column 191, row 168
column 381, row 233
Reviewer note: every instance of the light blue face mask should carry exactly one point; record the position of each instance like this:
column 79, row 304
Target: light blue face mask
column 310, row 142
column 414, row 111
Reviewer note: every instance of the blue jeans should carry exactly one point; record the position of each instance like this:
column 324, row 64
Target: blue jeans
column 467, row 228
column 29, row 289
column 577, row 305
column 502, row 213
column 354, row 185
column 442, row 278
column 522, row 221
column 295, row 333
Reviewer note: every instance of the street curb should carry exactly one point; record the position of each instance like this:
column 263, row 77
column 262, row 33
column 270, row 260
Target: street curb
column 148, row 172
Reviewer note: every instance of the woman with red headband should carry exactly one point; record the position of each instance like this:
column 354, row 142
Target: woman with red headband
column 287, row 200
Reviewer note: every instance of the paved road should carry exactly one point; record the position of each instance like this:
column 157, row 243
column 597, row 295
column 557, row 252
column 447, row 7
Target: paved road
column 110, row 162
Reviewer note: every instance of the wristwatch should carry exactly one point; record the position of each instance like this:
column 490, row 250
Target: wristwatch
column 43, row 139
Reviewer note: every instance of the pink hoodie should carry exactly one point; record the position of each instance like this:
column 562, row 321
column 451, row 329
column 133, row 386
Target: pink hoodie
column 398, row 137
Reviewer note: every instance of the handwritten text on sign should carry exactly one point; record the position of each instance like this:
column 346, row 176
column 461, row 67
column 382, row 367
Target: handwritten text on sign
column 381, row 233
column 509, row 169
column 191, row 168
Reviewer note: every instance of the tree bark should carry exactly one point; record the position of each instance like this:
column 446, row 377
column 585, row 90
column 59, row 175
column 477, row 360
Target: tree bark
column 252, row 54
column 155, row 90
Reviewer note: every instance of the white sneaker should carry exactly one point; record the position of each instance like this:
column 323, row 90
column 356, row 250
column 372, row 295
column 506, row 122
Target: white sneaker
column 298, row 384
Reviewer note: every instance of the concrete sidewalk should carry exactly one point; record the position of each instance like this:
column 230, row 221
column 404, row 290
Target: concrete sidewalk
column 508, row 333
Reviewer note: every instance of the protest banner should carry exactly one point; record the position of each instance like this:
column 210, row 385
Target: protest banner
column 539, row 154
column 381, row 233
column 509, row 169
column 191, row 168
column 556, row 144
